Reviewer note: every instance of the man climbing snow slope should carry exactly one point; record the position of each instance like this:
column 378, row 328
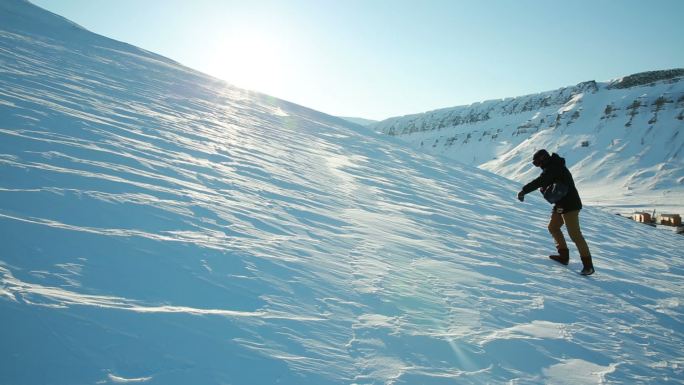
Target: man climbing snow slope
column 558, row 188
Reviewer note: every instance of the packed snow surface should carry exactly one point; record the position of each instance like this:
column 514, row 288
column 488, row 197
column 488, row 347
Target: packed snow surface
column 161, row 227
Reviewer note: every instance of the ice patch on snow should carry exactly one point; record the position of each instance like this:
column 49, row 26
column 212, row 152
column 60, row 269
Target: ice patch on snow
column 123, row 380
column 577, row 372
column 533, row 330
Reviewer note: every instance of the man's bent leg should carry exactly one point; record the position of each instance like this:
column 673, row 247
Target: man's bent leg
column 555, row 229
column 555, row 224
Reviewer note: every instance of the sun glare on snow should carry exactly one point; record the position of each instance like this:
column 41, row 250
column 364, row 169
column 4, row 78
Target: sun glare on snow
column 249, row 59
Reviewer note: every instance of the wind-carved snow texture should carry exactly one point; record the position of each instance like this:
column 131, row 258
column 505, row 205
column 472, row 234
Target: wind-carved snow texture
column 161, row 227
column 622, row 139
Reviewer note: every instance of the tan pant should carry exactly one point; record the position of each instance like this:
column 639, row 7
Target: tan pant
column 571, row 220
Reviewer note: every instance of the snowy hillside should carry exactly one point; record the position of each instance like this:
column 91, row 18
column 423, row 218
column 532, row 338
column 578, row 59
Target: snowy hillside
column 360, row 121
column 622, row 138
column 161, row 227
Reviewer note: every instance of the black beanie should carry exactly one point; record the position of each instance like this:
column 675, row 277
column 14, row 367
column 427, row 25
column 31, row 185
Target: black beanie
column 539, row 155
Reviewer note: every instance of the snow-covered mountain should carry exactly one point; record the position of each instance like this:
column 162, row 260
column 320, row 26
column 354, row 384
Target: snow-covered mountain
column 158, row 226
column 623, row 139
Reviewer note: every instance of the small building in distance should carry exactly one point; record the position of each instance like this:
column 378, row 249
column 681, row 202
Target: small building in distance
column 642, row 217
column 670, row 220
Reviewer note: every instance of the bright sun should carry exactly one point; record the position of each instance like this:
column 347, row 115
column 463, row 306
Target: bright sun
column 250, row 59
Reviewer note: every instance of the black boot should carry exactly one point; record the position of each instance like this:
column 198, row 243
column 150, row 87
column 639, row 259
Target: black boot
column 563, row 256
column 588, row 266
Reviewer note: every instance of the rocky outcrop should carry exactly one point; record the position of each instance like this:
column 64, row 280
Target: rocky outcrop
column 546, row 103
column 481, row 112
column 645, row 78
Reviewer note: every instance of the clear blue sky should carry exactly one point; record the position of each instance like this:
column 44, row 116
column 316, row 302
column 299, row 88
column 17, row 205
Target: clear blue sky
column 382, row 58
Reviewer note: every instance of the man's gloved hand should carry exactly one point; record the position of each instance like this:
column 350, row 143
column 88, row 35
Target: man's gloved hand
column 521, row 196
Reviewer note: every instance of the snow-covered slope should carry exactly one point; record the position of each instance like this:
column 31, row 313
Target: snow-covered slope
column 623, row 138
column 360, row 121
column 158, row 226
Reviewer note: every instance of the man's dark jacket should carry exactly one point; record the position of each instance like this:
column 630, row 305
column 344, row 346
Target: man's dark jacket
column 553, row 171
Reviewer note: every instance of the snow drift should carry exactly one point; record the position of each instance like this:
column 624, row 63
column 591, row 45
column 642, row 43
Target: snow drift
column 159, row 226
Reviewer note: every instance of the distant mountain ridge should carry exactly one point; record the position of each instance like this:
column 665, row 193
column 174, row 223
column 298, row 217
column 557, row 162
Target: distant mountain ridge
column 627, row 130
